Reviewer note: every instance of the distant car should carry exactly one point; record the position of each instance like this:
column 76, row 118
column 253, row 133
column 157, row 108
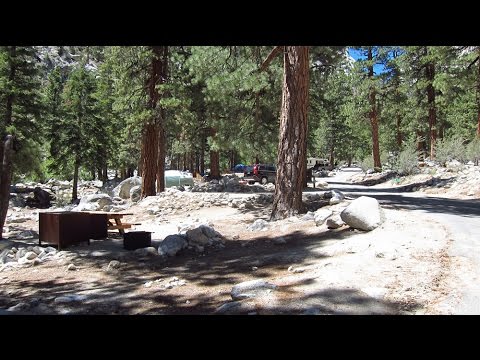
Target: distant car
column 317, row 164
column 239, row 168
column 178, row 178
column 262, row 173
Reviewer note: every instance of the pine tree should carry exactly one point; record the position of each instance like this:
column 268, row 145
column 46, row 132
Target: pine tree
column 20, row 108
column 292, row 146
column 79, row 127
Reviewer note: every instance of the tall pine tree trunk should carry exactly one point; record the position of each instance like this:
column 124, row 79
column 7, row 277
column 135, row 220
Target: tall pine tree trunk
column 152, row 143
column 105, row 172
column 6, row 144
column 75, row 179
column 161, row 53
column 432, row 114
column 214, row 165
column 161, row 159
column 202, row 153
column 5, row 177
column 478, row 93
column 292, row 144
column 192, row 163
column 332, row 158
column 149, row 159
column 373, row 116
column 214, row 159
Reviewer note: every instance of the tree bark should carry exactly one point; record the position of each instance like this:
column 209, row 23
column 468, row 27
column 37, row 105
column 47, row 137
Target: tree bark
column 432, row 113
column 153, row 146
column 192, row 163
column 75, row 179
column 214, row 165
column 197, row 163
column 332, row 158
column 478, row 94
column 373, row 116
column 292, row 145
column 202, row 153
column 161, row 158
column 149, row 157
column 105, row 173
column 5, row 178
column 214, row 159
column 161, row 53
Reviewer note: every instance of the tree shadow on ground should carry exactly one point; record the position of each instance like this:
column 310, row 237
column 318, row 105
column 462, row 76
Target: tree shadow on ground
column 287, row 300
column 124, row 291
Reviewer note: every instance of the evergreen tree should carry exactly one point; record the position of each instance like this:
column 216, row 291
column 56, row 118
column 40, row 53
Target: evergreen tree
column 79, row 127
column 20, row 108
column 292, row 146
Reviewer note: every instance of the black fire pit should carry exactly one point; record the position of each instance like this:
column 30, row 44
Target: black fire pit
column 137, row 239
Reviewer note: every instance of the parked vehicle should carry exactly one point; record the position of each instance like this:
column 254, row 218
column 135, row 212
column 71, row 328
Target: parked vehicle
column 317, row 164
column 262, row 173
column 239, row 168
column 177, row 178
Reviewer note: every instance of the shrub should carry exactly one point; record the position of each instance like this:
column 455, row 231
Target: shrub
column 406, row 162
column 473, row 151
column 449, row 149
column 366, row 163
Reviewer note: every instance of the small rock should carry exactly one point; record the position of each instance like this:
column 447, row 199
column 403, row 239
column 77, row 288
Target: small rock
column 30, row 255
column 50, row 249
column 148, row 284
column 254, row 268
column 37, row 250
column 114, row 264
column 71, row 267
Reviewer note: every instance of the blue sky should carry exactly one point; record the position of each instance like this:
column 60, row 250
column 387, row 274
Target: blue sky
column 357, row 55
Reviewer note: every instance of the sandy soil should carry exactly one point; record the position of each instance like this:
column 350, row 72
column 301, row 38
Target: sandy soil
column 401, row 267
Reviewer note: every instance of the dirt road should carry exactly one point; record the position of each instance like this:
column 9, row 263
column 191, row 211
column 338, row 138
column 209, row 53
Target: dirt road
column 414, row 263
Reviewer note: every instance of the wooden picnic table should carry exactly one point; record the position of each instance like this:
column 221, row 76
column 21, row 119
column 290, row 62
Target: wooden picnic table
column 117, row 217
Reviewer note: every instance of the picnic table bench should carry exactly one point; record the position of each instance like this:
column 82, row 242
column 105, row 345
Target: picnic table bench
column 117, row 217
column 66, row 228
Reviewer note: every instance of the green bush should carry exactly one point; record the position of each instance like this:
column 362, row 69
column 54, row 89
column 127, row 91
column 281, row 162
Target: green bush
column 366, row 163
column 406, row 162
column 449, row 149
column 473, row 151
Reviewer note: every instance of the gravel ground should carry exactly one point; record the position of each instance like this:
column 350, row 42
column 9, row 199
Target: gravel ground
column 399, row 268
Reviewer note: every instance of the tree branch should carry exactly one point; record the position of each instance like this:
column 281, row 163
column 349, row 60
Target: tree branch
column 276, row 51
column 473, row 62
